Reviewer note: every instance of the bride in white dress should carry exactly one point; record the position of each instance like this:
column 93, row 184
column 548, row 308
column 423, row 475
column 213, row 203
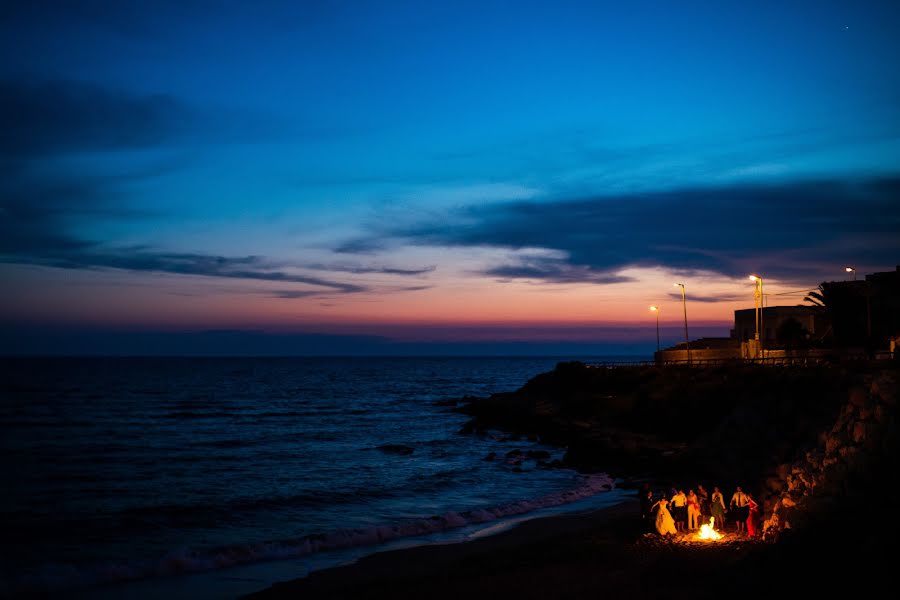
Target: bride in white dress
column 664, row 521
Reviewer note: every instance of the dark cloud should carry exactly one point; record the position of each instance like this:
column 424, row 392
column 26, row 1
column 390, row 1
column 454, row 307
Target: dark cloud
column 294, row 294
column 792, row 230
column 708, row 298
column 297, row 294
column 413, row 288
column 41, row 206
column 553, row 270
column 35, row 211
column 36, row 223
column 47, row 117
column 364, row 245
column 87, row 255
column 52, row 117
column 364, row 269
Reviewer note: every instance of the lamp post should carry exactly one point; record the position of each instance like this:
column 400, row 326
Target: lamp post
column 851, row 270
column 656, row 310
column 758, row 296
column 687, row 342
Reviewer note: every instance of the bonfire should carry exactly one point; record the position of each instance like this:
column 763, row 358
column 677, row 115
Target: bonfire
column 708, row 531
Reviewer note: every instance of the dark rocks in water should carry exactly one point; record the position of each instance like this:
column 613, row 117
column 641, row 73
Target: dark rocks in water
column 729, row 422
column 454, row 402
column 490, row 456
column 398, row 449
column 470, row 426
column 460, row 405
column 538, row 454
column 526, row 454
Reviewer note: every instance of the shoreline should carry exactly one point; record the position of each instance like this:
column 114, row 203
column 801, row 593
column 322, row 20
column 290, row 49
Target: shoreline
column 422, row 563
column 605, row 553
column 229, row 582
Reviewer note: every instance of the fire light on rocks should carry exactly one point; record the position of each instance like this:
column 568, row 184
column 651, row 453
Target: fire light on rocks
column 708, row 531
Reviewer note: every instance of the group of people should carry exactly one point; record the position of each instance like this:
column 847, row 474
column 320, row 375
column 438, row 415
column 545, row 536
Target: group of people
column 678, row 512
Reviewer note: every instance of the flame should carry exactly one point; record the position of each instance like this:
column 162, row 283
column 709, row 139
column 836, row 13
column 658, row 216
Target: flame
column 708, row 532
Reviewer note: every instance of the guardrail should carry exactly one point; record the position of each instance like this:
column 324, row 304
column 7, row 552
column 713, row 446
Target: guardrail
column 779, row 361
column 612, row 364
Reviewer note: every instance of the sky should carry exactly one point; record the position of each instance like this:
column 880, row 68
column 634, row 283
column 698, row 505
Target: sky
column 426, row 177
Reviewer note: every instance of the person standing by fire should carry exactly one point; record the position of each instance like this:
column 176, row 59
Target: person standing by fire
column 703, row 497
column 693, row 511
column 752, row 517
column 664, row 523
column 717, row 508
column 740, row 503
column 647, row 518
column 679, row 509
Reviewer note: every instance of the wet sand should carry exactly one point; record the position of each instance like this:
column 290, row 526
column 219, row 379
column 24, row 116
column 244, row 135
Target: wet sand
column 603, row 554
column 584, row 555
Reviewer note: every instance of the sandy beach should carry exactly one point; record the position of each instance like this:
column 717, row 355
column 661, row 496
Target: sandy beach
column 576, row 556
column 604, row 553
column 546, row 547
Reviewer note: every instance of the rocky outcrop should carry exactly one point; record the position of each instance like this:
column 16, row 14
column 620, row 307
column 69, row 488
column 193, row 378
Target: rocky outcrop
column 852, row 455
column 803, row 440
column 726, row 423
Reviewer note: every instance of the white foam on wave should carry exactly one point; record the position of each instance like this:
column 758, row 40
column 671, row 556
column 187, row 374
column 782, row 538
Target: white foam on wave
column 55, row 578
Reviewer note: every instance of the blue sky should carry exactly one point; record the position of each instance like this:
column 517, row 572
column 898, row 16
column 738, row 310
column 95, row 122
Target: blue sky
column 400, row 168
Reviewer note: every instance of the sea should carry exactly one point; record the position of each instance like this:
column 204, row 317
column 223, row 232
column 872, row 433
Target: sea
column 212, row 477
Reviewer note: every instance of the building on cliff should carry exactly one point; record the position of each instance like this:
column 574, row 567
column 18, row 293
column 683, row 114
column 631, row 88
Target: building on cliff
column 778, row 321
column 858, row 318
column 864, row 313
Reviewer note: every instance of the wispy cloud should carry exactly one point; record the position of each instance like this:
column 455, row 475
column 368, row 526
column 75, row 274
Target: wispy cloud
column 293, row 294
column 207, row 265
column 553, row 270
column 367, row 269
column 43, row 206
column 709, row 299
column 36, row 218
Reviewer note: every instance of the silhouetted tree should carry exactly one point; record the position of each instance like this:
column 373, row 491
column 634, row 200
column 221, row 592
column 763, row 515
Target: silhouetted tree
column 817, row 297
column 845, row 306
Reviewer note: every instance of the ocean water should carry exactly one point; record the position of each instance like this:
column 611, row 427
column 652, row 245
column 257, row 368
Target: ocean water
column 125, row 469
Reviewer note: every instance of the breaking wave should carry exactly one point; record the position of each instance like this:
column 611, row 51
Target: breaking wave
column 59, row 577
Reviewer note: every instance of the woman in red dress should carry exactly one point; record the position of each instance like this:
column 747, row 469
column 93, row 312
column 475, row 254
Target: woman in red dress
column 752, row 517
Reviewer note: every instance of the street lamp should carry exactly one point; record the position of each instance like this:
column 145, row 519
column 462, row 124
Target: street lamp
column 758, row 296
column 656, row 310
column 687, row 342
column 851, row 270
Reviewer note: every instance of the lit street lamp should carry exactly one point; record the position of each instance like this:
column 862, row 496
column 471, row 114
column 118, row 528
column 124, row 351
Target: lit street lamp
column 656, row 310
column 851, row 270
column 687, row 342
column 758, row 296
